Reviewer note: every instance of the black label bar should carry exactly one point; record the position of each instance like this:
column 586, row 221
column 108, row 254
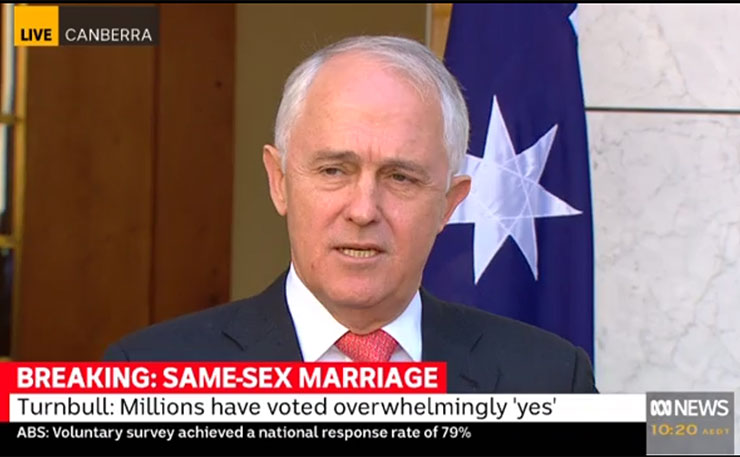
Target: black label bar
column 108, row 25
column 349, row 438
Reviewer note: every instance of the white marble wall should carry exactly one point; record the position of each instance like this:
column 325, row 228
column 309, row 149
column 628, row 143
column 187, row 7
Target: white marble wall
column 661, row 55
column 666, row 189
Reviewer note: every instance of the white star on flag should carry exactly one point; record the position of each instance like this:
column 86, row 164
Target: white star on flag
column 506, row 196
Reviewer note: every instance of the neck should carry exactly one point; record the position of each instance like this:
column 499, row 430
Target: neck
column 361, row 318
column 365, row 320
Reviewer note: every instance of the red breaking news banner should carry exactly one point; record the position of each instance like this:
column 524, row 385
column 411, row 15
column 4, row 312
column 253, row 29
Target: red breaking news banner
column 218, row 377
column 6, row 370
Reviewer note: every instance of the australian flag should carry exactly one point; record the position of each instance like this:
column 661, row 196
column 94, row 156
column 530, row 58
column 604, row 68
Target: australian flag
column 521, row 243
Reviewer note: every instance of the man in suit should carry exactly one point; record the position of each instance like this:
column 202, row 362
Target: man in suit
column 369, row 138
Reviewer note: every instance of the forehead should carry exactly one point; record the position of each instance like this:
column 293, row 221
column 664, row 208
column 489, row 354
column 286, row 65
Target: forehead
column 356, row 98
column 361, row 77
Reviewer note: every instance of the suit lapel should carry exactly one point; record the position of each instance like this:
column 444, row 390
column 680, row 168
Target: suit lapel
column 263, row 328
column 449, row 337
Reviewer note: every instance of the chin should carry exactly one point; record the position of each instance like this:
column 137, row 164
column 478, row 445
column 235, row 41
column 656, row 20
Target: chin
column 356, row 297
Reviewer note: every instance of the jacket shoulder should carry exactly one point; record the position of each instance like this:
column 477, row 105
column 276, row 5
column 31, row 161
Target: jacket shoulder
column 528, row 358
column 194, row 336
column 512, row 333
column 213, row 334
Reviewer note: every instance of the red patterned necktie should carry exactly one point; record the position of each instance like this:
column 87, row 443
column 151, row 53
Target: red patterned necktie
column 377, row 346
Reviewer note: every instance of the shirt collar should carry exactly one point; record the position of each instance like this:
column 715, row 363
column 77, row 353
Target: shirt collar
column 317, row 330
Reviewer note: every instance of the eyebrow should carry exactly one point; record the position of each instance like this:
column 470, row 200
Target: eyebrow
column 324, row 155
column 351, row 156
column 406, row 165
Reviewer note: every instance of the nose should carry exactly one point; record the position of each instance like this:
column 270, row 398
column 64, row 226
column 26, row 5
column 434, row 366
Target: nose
column 363, row 205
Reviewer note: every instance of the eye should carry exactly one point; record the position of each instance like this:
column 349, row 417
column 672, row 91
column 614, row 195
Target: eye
column 331, row 171
column 400, row 177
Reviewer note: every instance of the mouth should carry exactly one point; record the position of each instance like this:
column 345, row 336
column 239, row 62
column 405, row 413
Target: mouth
column 360, row 252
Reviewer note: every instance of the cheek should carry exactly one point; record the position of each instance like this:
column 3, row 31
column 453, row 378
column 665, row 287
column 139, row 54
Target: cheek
column 300, row 210
column 414, row 225
column 310, row 213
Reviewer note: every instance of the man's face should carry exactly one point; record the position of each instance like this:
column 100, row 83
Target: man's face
column 364, row 188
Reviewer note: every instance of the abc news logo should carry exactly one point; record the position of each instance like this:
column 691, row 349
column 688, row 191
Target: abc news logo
column 692, row 408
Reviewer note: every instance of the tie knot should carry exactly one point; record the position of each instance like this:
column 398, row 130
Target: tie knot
column 377, row 346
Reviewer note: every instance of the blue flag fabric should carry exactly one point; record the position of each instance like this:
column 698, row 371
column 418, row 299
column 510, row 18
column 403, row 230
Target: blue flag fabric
column 521, row 244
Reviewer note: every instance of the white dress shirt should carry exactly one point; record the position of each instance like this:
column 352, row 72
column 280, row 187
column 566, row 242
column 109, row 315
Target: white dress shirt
column 317, row 330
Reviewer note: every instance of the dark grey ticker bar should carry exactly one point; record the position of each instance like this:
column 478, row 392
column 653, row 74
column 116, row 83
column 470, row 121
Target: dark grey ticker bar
column 108, row 25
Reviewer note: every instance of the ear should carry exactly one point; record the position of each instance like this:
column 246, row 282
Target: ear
column 276, row 178
column 459, row 189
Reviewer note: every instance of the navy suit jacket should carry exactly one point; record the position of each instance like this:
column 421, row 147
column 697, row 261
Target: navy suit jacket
column 485, row 353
